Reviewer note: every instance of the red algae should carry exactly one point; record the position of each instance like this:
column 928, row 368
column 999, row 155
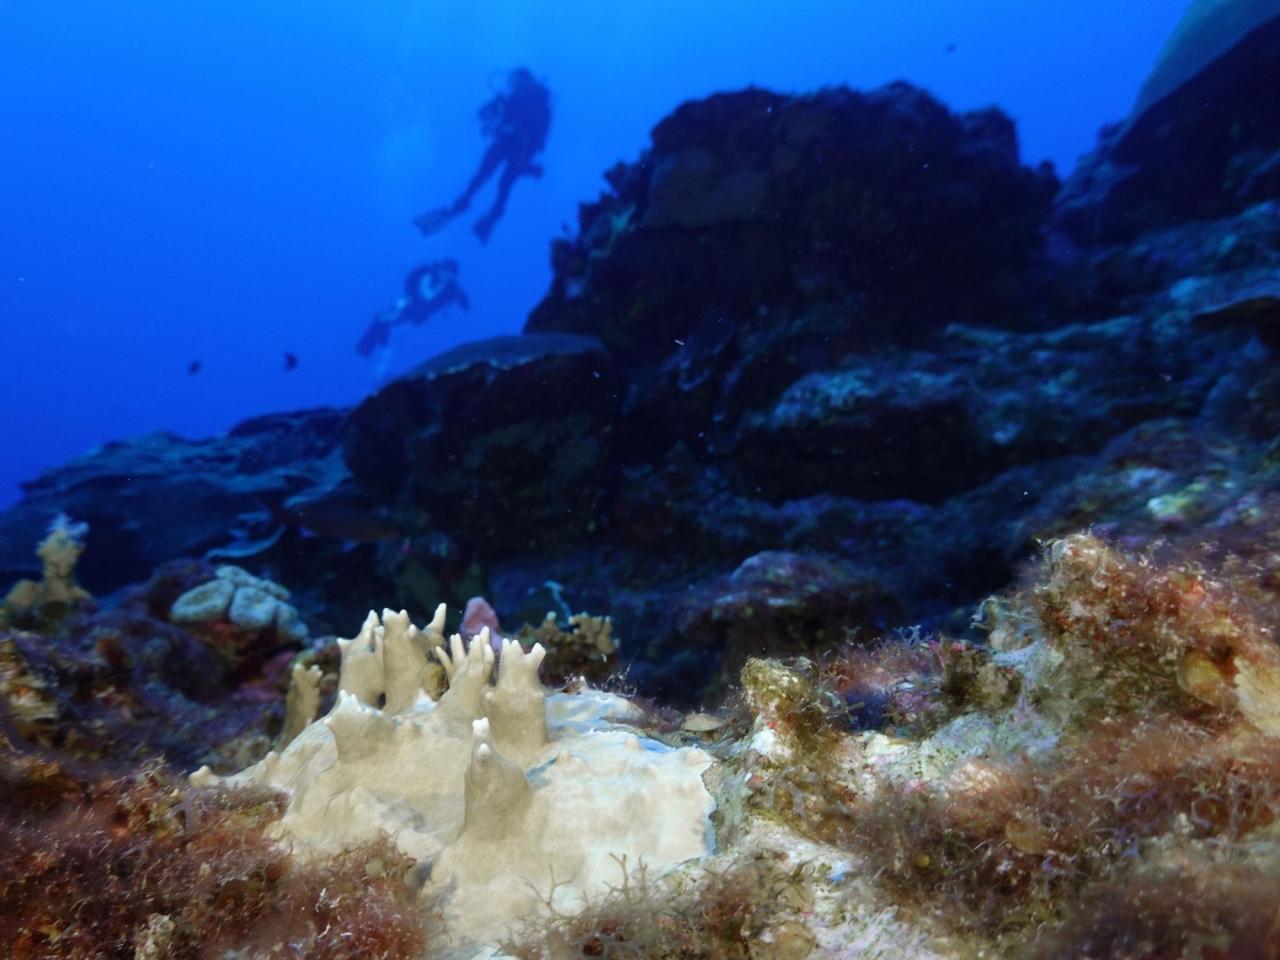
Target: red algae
column 1143, row 634
column 1147, row 825
column 145, row 865
column 721, row 918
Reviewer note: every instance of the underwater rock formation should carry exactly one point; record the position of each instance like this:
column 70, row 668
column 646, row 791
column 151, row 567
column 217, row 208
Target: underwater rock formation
column 1203, row 141
column 1101, row 779
column 867, row 193
column 157, row 498
column 775, row 603
column 1249, row 306
column 123, row 683
column 821, row 325
column 502, row 442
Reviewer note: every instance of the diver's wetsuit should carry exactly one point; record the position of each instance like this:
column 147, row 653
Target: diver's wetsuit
column 428, row 289
column 517, row 121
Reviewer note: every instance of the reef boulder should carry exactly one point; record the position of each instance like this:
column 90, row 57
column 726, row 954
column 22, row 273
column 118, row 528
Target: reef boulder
column 501, row 441
column 161, row 497
column 1203, row 140
column 752, row 201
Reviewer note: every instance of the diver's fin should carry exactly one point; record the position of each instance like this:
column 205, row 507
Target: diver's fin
column 377, row 335
column 484, row 228
column 433, row 221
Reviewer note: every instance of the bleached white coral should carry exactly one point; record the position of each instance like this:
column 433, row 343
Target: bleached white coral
column 302, row 702
column 513, row 796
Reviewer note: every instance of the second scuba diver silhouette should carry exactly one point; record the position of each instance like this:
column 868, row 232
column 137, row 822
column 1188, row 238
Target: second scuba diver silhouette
column 516, row 121
column 428, row 289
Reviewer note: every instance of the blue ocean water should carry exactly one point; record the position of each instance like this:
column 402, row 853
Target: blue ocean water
column 226, row 183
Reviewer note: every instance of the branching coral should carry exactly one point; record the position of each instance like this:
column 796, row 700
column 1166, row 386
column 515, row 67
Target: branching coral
column 513, row 797
column 32, row 602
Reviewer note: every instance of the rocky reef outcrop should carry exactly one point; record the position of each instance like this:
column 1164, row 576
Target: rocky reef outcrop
column 123, row 682
column 1203, row 140
column 867, row 193
column 501, row 442
column 844, row 339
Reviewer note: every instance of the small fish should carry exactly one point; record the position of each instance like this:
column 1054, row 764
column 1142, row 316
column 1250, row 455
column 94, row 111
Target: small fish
column 194, row 367
column 337, row 516
column 951, row 47
column 290, row 361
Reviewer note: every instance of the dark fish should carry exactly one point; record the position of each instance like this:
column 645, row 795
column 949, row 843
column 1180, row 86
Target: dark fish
column 1251, row 306
column 951, row 47
column 337, row 517
column 194, row 367
column 290, row 361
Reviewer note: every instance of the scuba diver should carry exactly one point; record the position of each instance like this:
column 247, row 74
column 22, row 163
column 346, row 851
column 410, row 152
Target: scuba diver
column 516, row 121
column 428, row 289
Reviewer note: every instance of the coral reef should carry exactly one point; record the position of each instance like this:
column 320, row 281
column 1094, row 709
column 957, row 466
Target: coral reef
column 815, row 376
column 912, row 391
column 498, row 441
column 123, row 683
